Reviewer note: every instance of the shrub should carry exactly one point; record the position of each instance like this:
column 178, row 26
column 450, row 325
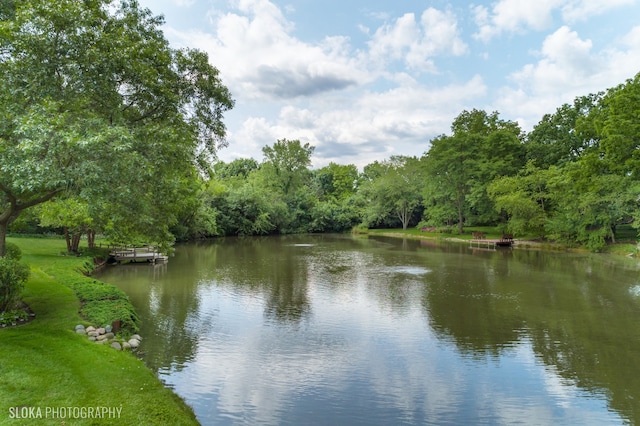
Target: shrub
column 360, row 229
column 12, row 251
column 13, row 276
column 445, row 230
column 104, row 303
column 106, row 311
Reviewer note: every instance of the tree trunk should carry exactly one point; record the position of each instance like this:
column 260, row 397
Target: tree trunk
column 91, row 238
column 13, row 211
column 404, row 217
column 67, row 238
column 75, row 242
column 613, row 234
column 4, row 226
column 460, row 207
column 460, row 221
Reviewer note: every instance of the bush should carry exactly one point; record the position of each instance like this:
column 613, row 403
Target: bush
column 445, row 230
column 13, row 276
column 104, row 303
column 12, row 251
column 104, row 312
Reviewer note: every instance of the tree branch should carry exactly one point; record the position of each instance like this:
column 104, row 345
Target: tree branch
column 21, row 206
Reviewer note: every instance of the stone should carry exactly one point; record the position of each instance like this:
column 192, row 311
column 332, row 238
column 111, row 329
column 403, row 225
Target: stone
column 102, row 337
column 116, row 346
column 92, row 338
column 137, row 337
column 90, row 329
column 126, row 345
column 108, row 328
column 101, row 330
column 79, row 327
column 134, row 343
column 93, row 333
column 110, row 335
column 81, row 331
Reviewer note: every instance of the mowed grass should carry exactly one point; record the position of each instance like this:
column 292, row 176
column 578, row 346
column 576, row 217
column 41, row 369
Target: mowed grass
column 45, row 364
column 626, row 238
column 490, row 233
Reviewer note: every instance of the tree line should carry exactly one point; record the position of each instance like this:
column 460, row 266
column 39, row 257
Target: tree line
column 573, row 178
column 104, row 128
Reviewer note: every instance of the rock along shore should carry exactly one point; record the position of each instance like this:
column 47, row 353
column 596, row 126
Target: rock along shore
column 105, row 335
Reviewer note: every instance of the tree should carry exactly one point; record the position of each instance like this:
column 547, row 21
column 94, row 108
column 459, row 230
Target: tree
column 250, row 211
column 238, row 168
column 526, row 198
column 337, row 181
column 72, row 215
column 395, row 191
column 287, row 161
column 561, row 137
column 618, row 129
column 459, row 167
column 590, row 206
column 449, row 164
column 94, row 102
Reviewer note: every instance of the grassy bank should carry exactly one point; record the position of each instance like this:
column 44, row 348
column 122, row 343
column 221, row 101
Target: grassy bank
column 626, row 245
column 48, row 370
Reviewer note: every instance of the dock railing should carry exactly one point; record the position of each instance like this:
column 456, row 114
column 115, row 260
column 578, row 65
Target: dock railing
column 137, row 254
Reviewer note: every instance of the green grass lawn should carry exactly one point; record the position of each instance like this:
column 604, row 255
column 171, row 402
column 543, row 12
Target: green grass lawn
column 45, row 365
column 490, row 232
column 626, row 238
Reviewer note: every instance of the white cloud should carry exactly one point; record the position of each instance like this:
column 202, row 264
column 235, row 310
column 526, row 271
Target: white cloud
column 401, row 120
column 517, row 16
column 513, row 16
column 391, row 95
column 580, row 10
column 260, row 59
column 324, row 92
column 417, row 42
column 568, row 67
column 392, row 40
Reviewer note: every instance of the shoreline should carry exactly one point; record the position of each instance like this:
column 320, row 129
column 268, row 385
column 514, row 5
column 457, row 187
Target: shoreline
column 65, row 369
column 518, row 243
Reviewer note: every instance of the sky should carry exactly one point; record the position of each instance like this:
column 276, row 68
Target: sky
column 364, row 80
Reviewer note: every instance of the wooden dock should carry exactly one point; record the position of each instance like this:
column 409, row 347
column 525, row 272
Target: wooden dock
column 138, row 254
column 503, row 242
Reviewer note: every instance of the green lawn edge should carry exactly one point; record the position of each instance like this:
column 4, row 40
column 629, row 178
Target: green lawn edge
column 48, row 370
column 623, row 248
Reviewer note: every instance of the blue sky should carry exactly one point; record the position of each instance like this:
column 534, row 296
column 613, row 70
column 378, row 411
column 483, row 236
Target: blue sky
column 365, row 80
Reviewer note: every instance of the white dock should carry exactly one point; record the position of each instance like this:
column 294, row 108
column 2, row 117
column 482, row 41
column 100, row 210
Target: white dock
column 138, row 254
column 504, row 242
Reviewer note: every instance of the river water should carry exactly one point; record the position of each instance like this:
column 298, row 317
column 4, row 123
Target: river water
column 343, row 330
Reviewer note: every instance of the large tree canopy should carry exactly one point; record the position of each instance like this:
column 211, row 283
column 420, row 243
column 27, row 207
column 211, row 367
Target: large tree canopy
column 94, row 102
column 392, row 190
column 459, row 167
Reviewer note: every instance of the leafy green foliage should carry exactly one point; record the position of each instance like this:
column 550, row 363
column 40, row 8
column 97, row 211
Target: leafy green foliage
column 565, row 135
column 102, row 303
column 13, row 276
column 525, row 199
column 337, row 181
column 579, row 184
column 13, row 317
column 460, row 167
column 71, row 214
column 93, row 101
column 394, row 192
column 13, row 252
column 286, row 164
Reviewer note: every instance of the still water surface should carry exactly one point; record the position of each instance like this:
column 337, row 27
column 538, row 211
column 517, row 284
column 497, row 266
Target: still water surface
column 343, row 330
